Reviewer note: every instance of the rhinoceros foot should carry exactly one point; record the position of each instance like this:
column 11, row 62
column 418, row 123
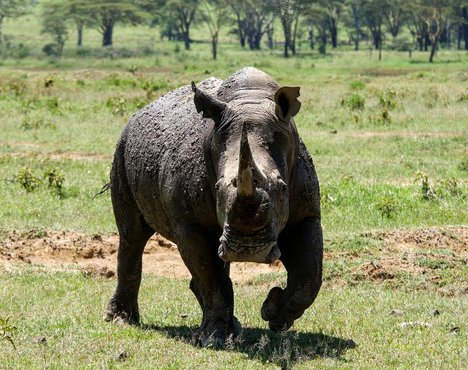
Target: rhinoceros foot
column 217, row 333
column 118, row 314
column 272, row 310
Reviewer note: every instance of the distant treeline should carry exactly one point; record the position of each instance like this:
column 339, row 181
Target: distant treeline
column 401, row 24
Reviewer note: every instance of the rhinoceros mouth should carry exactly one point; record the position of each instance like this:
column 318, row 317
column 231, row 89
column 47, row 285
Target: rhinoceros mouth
column 260, row 246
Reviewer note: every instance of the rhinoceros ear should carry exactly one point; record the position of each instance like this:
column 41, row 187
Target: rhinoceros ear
column 208, row 104
column 286, row 101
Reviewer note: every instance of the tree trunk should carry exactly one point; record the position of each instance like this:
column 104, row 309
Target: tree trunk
column 186, row 40
column 323, row 42
column 107, row 35
column 311, row 38
column 433, row 49
column 333, row 34
column 79, row 29
column 240, row 31
column 465, row 26
column 1, row 26
column 356, row 44
column 270, row 37
column 214, row 46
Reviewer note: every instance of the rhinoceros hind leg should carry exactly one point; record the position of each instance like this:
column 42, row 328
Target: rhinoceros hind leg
column 133, row 235
column 212, row 287
column 301, row 254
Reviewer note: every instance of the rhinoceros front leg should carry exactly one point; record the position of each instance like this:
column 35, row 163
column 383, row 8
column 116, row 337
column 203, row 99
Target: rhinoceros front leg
column 301, row 253
column 212, row 287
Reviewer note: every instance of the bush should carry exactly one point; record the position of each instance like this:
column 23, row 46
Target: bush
column 355, row 102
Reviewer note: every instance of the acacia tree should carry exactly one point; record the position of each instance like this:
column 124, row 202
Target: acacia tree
column 54, row 23
column 254, row 19
column 333, row 10
column 108, row 13
column 215, row 13
column 373, row 12
column 394, row 14
column 316, row 16
column 431, row 14
column 12, row 9
column 354, row 20
column 80, row 13
column 181, row 15
column 288, row 12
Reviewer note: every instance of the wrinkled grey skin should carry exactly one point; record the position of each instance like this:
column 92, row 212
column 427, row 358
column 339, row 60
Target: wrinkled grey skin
column 220, row 170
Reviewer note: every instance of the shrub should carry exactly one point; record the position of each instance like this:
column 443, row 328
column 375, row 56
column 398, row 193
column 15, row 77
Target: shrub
column 27, row 180
column 354, row 102
column 387, row 206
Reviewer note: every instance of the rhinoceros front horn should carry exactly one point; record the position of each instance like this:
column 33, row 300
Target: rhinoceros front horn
column 248, row 169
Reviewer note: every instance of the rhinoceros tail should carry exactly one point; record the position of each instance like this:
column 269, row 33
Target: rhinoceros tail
column 105, row 188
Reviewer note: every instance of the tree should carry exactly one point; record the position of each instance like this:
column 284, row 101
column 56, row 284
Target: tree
column 288, row 12
column 332, row 14
column 107, row 13
column 373, row 12
column 12, row 9
column 316, row 16
column 214, row 13
column 54, row 23
column 254, row 19
column 432, row 15
column 180, row 14
column 354, row 20
column 80, row 13
column 393, row 11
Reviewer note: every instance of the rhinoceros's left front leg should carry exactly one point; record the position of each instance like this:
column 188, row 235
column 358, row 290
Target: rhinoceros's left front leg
column 211, row 285
column 301, row 253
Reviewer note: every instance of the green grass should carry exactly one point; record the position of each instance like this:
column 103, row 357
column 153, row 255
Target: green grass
column 59, row 325
column 411, row 117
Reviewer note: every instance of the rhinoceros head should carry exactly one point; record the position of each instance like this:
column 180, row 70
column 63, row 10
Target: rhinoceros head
column 253, row 149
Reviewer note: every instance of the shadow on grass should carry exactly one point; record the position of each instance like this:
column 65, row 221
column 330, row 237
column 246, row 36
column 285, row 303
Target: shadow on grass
column 283, row 349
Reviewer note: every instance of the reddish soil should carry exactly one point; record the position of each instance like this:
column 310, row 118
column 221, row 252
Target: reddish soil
column 401, row 251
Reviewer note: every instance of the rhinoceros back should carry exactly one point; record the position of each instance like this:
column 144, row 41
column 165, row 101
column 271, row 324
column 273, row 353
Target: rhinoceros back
column 163, row 159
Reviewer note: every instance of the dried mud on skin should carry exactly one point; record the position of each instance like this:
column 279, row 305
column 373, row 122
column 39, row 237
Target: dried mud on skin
column 400, row 252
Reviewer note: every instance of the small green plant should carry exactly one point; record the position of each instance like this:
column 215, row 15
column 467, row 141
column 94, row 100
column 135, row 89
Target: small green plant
column 387, row 206
column 463, row 97
column 49, row 82
column 463, row 165
column 132, row 69
column 427, row 189
column 354, row 102
column 118, row 105
column 27, row 180
column 388, row 99
column 357, row 85
column 54, row 181
column 28, row 123
column 450, row 186
column 7, row 330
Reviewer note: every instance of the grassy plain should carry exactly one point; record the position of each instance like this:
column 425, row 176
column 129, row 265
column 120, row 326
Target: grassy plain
column 389, row 140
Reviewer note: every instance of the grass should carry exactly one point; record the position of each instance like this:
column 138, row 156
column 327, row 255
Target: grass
column 351, row 326
column 382, row 134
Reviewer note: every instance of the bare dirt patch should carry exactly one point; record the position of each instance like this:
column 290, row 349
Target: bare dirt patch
column 424, row 252
column 96, row 255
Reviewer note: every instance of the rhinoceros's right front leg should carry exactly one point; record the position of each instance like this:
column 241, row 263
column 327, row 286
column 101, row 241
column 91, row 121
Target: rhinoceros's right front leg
column 301, row 254
column 211, row 285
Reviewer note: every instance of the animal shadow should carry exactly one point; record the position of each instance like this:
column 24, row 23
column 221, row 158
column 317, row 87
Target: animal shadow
column 283, row 349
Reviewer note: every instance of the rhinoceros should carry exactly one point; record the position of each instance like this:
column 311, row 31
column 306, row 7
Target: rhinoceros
column 220, row 170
